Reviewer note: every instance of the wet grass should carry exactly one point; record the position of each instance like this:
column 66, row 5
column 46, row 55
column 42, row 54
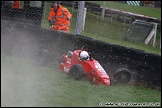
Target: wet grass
column 143, row 10
column 114, row 32
column 24, row 83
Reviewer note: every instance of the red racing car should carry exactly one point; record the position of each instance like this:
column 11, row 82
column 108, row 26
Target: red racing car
column 80, row 63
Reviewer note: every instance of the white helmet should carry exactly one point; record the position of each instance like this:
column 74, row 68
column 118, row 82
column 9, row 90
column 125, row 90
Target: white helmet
column 84, row 55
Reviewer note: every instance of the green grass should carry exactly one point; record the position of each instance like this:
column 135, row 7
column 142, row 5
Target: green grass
column 23, row 83
column 143, row 10
column 113, row 32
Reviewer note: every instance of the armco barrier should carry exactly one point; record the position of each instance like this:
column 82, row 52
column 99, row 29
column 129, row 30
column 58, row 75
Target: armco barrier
column 26, row 40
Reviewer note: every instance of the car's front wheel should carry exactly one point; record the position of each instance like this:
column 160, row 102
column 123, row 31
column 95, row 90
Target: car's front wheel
column 76, row 71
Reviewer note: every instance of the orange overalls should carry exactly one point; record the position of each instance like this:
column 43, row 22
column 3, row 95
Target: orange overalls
column 61, row 18
column 16, row 5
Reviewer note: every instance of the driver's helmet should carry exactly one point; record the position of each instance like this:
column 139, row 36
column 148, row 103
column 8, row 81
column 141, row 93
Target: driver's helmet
column 84, row 55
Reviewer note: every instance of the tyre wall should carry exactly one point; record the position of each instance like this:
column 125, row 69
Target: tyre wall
column 26, row 40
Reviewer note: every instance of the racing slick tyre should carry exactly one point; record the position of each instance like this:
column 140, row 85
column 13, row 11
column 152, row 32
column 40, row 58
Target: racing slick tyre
column 43, row 57
column 122, row 76
column 76, row 71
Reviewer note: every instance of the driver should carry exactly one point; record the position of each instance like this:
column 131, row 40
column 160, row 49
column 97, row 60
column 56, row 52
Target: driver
column 84, row 55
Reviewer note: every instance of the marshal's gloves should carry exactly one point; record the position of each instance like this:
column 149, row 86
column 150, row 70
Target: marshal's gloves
column 50, row 23
column 68, row 18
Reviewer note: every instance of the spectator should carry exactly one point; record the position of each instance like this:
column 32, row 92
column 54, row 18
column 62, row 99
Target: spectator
column 9, row 8
column 10, row 4
column 59, row 17
column 16, row 5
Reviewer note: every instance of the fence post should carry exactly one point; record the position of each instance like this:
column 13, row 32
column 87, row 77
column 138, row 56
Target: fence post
column 79, row 22
column 160, row 40
column 84, row 17
column 154, row 39
column 103, row 10
column 73, row 3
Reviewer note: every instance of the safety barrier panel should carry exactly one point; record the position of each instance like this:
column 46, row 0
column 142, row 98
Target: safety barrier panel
column 27, row 40
column 135, row 3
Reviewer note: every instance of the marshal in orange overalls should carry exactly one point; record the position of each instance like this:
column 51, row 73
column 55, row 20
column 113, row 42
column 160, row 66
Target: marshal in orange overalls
column 16, row 5
column 62, row 19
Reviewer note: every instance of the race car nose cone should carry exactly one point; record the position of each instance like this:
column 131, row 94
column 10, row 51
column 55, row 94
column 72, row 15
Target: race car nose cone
column 106, row 82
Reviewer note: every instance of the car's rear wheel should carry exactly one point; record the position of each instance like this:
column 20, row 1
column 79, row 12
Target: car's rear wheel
column 122, row 75
column 76, row 71
column 43, row 57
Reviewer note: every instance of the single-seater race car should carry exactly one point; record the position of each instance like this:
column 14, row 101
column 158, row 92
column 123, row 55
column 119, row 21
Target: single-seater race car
column 80, row 63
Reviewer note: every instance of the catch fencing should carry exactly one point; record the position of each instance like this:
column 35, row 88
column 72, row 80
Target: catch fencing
column 26, row 41
column 114, row 27
column 111, row 28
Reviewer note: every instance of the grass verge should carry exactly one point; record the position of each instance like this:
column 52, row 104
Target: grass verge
column 23, row 83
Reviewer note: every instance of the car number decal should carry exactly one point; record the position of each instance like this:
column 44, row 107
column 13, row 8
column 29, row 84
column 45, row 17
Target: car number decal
column 66, row 69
